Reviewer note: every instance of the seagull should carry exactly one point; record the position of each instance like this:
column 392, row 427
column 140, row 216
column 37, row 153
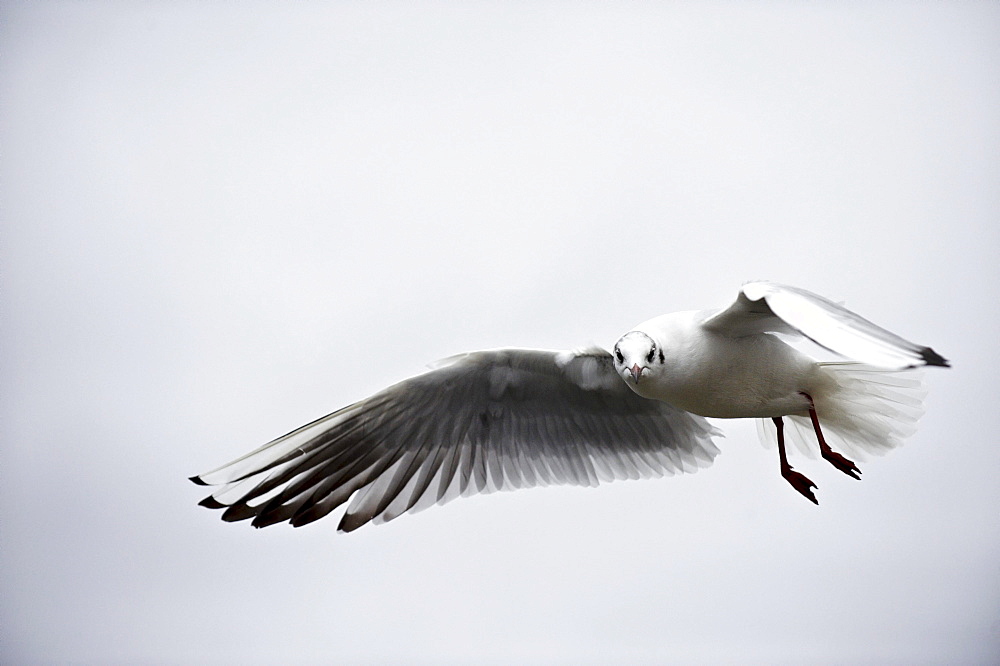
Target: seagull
column 505, row 419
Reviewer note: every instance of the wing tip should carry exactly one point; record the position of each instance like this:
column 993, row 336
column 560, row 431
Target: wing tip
column 212, row 503
column 197, row 480
column 931, row 357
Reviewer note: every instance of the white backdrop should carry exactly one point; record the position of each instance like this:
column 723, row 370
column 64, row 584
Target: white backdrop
column 222, row 220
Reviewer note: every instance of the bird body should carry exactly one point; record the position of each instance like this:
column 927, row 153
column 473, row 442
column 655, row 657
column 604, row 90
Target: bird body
column 515, row 418
column 709, row 373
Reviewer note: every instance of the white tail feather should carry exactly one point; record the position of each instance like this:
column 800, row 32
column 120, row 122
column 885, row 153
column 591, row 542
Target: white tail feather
column 863, row 410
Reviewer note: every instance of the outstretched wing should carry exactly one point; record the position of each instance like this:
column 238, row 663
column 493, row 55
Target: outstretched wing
column 769, row 307
column 481, row 422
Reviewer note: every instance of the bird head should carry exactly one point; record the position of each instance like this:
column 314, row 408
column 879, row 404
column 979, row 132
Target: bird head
column 635, row 354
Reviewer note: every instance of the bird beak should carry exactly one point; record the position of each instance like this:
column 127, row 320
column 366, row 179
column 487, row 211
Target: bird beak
column 636, row 372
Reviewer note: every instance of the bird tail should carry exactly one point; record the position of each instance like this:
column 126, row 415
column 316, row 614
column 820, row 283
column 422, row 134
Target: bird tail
column 862, row 409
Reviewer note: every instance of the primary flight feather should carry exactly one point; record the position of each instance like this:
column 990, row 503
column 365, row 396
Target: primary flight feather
column 516, row 418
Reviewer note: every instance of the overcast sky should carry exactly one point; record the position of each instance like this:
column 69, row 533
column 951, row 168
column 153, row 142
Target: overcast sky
column 223, row 220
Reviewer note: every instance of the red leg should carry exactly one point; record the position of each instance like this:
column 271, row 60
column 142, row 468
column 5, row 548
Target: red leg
column 800, row 482
column 840, row 462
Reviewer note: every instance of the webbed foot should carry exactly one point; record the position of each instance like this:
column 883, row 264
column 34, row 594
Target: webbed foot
column 840, row 462
column 801, row 483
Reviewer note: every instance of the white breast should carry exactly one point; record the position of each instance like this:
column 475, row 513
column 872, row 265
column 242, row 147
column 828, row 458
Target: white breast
column 715, row 375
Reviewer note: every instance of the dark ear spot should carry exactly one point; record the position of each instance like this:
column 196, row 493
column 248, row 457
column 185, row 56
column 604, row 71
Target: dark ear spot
column 661, row 356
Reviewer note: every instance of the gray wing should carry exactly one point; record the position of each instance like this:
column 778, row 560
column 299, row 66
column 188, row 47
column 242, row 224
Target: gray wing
column 481, row 422
column 768, row 307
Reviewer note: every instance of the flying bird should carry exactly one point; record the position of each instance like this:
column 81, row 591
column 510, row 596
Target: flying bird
column 515, row 418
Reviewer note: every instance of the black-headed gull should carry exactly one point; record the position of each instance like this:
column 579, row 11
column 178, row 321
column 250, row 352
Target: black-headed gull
column 516, row 418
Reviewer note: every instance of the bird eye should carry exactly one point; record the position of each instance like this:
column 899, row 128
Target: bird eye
column 649, row 356
column 618, row 355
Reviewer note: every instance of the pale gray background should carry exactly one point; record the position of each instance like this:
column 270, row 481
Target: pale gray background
column 222, row 220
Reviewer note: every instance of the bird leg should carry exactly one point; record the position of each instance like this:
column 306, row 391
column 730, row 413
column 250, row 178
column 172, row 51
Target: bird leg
column 840, row 462
column 799, row 481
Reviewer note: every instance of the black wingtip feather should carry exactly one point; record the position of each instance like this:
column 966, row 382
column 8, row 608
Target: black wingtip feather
column 272, row 513
column 350, row 523
column 197, row 480
column 211, row 503
column 931, row 357
column 308, row 514
column 238, row 512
